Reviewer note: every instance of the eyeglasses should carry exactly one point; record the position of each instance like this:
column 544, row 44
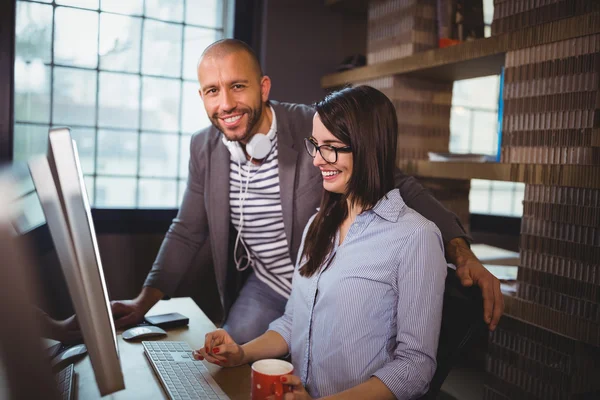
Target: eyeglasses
column 328, row 153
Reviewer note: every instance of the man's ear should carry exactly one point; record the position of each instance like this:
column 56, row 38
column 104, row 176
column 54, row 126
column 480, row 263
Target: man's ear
column 200, row 93
column 265, row 88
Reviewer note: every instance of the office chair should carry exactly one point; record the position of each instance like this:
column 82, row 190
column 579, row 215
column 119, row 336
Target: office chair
column 462, row 322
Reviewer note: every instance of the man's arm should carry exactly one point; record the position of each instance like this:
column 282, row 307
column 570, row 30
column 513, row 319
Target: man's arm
column 470, row 271
column 468, row 268
column 185, row 236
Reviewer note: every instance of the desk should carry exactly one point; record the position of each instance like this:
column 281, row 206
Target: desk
column 140, row 380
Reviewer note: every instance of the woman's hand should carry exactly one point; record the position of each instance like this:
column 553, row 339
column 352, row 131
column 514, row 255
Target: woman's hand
column 219, row 348
column 298, row 391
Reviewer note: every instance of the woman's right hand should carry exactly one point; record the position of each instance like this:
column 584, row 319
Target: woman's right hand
column 219, row 348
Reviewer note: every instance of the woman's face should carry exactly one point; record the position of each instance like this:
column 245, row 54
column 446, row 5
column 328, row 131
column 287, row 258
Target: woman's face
column 337, row 175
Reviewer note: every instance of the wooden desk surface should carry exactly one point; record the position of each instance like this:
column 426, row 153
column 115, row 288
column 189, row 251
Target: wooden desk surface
column 140, row 380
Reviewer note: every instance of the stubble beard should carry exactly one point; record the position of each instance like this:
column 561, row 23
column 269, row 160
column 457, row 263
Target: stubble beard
column 253, row 114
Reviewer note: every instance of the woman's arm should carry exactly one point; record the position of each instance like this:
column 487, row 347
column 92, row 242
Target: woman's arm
column 371, row 389
column 420, row 280
column 268, row 345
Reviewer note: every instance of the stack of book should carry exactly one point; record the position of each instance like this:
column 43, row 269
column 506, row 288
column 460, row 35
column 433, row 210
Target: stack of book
column 400, row 28
column 548, row 345
column 552, row 103
column 512, row 15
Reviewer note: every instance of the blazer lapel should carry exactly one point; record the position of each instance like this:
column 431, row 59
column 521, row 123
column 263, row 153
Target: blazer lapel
column 218, row 213
column 287, row 160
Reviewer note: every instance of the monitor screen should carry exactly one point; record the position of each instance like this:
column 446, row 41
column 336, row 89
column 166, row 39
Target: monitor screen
column 59, row 183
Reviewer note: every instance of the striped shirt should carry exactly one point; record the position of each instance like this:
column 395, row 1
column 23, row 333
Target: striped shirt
column 374, row 310
column 262, row 230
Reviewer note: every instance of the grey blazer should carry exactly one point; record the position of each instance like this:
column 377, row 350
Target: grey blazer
column 204, row 215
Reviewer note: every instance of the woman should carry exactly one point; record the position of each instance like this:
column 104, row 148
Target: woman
column 364, row 315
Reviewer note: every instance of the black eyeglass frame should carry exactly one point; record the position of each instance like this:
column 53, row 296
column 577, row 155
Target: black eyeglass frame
column 309, row 142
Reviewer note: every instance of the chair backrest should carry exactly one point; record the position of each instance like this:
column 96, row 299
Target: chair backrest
column 462, row 321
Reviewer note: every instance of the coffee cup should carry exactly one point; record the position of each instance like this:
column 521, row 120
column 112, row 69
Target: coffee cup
column 266, row 378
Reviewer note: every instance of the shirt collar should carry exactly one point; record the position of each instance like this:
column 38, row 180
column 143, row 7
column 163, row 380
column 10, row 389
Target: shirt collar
column 273, row 124
column 390, row 206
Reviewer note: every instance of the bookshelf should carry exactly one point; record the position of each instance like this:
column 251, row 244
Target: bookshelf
column 472, row 59
column 583, row 176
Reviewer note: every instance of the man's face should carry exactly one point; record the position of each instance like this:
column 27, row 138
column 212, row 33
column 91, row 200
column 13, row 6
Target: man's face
column 233, row 94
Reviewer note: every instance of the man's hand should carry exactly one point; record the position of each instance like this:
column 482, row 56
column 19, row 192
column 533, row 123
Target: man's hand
column 219, row 348
column 66, row 331
column 470, row 271
column 131, row 312
column 127, row 312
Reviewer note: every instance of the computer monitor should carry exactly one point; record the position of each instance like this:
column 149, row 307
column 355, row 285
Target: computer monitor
column 58, row 180
column 25, row 371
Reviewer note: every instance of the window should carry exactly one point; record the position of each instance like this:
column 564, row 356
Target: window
column 121, row 75
column 474, row 129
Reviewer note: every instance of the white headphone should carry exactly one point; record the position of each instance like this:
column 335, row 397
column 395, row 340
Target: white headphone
column 257, row 148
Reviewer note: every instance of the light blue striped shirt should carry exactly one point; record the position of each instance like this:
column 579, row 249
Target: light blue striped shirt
column 375, row 310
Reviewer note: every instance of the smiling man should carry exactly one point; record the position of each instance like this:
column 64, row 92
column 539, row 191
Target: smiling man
column 251, row 183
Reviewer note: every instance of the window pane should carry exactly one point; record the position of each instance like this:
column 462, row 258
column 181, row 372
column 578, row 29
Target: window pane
column 117, row 152
column 162, row 49
column 193, row 115
column 182, row 185
column 115, row 192
column 184, row 156
column 158, row 157
column 460, row 130
column 91, row 4
column 477, row 92
column 119, row 100
column 32, row 214
column 120, row 42
column 135, row 7
column 32, row 91
column 479, row 201
column 196, row 40
column 168, row 10
column 76, row 37
column 74, row 97
column 485, row 132
column 158, row 193
column 160, row 104
column 86, row 144
column 89, row 188
column 205, row 13
column 29, row 140
column 33, row 32
column 488, row 11
column 480, row 184
column 518, row 200
column 502, row 202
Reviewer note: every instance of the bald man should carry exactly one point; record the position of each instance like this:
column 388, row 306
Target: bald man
column 252, row 184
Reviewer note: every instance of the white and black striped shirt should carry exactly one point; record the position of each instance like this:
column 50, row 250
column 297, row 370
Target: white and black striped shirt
column 262, row 230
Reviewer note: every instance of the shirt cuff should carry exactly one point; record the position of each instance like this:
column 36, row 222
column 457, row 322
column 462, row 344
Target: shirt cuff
column 399, row 382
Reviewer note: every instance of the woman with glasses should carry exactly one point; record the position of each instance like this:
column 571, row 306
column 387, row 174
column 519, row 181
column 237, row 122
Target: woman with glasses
column 364, row 315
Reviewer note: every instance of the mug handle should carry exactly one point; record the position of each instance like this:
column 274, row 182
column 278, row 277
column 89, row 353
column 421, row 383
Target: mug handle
column 277, row 389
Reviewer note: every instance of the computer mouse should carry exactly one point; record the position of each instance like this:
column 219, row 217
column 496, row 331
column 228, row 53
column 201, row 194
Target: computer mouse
column 68, row 356
column 143, row 332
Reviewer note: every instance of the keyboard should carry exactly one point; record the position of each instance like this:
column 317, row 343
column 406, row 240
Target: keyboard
column 64, row 379
column 182, row 377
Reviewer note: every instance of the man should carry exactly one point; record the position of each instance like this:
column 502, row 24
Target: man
column 252, row 183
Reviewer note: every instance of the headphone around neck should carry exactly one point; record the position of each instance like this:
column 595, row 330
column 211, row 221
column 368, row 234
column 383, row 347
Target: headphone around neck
column 257, row 148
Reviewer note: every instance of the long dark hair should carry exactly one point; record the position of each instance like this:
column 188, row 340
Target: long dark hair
column 364, row 119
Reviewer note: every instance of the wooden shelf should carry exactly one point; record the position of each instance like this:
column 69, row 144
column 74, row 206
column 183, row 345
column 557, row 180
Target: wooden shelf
column 481, row 57
column 357, row 7
column 584, row 176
